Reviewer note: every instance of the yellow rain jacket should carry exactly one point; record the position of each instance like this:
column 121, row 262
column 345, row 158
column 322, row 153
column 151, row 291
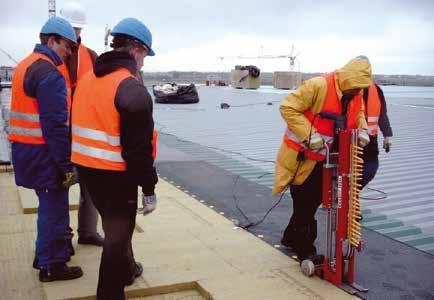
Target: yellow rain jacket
column 356, row 74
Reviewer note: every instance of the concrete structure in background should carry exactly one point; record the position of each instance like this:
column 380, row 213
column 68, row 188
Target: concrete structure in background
column 286, row 80
column 6, row 73
column 241, row 79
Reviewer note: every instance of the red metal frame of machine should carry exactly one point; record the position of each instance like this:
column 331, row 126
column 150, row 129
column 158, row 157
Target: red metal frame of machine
column 338, row 267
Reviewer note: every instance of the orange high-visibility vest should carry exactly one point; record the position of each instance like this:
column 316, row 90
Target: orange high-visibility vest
column 373, row 109
column 325, row 126
column 63, row 69
column 84, row 63
column 154, row 144
column 24, row 124
column 96, row 122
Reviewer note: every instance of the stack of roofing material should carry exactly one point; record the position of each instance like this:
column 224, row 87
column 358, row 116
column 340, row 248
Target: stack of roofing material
column 247, row 77
column 286, row 80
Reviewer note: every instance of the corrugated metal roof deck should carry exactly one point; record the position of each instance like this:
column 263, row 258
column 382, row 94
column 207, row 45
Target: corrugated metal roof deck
column 244, row 139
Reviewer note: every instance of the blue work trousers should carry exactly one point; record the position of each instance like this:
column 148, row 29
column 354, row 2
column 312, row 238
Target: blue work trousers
column 370, row 168
column 53, row 222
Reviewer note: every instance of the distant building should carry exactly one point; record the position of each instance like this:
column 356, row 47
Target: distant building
column 6, row 73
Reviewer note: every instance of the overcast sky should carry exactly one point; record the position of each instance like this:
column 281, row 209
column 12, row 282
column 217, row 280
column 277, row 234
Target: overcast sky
column 191, row 35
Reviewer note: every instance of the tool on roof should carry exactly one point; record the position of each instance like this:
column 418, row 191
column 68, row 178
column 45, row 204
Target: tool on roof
column 342, row 173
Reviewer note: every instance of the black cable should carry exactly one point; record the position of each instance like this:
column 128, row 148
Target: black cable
column 268, row 211
column 375, row 199
column 253, row 104
column 251, row 224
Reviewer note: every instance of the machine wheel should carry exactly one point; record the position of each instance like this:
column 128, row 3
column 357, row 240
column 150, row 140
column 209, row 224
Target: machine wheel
column 307, row 267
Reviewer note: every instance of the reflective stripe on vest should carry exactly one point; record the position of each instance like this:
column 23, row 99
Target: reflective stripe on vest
column 373, row 110
column 292, row 141
column 325, row 126
column 96, row 122
column 24, row 124
column 97, row 135
column 113, row 156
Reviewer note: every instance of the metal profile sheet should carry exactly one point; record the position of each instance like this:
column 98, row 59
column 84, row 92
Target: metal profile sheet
column 250, row 132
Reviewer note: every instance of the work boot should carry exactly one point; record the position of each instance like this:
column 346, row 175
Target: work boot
column 138, row 270
column 59, row 271
column 93, row 239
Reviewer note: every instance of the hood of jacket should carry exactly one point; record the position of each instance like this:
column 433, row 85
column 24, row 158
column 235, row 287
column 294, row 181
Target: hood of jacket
column 109, row 62
column 356, row 74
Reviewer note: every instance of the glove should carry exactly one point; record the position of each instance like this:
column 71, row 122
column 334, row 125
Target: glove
column 387, row 143
column 363, row 137
column 149, row 204
column 70, row 179
column 316, row 141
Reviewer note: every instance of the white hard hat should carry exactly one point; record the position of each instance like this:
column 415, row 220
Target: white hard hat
column 74, row 13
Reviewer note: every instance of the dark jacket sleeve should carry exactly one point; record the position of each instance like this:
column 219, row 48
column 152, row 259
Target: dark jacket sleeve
column 383, row 122
column 134, row 105
column 47, row 84
column 93, row 55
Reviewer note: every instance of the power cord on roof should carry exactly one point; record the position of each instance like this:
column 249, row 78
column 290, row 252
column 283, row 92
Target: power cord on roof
column 384, row 195
column 251, row 223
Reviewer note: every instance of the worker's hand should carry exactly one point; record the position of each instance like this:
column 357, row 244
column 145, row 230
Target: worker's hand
column 70, row 179
column 363, row 137
column 316, row 141
column 149, row 204
column 387, row 143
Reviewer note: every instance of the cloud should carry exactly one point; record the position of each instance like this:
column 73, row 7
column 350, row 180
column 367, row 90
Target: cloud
column 191, row 34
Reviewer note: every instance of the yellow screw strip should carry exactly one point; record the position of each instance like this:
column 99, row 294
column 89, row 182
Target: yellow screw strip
column 355, row 209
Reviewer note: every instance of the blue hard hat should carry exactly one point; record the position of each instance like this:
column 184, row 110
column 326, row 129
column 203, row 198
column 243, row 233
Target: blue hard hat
column 61, row 27
column 136, row 29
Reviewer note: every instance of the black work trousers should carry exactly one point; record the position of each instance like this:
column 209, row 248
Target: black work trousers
column 115, row 198
column 301, row 231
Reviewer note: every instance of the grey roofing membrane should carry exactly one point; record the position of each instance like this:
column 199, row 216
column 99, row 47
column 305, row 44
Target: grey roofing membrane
column 226, row 157
column 249, row 133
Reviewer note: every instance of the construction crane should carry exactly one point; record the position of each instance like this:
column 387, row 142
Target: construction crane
column 107, row 32
column 9, row 56
column 292, row 57
column 51, row 8
column 281, row 80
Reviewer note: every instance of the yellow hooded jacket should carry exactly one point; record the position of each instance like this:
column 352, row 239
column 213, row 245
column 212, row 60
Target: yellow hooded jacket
column 356, row 74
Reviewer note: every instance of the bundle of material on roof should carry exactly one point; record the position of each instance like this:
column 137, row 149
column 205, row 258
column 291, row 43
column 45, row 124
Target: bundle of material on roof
column 175, row 94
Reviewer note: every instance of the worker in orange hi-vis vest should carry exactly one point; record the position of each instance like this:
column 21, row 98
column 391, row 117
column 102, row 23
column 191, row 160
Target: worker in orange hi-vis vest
column 377, row 118
column 41, row 148
column 81, row 61
column 302, row 152
column 113, row 143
